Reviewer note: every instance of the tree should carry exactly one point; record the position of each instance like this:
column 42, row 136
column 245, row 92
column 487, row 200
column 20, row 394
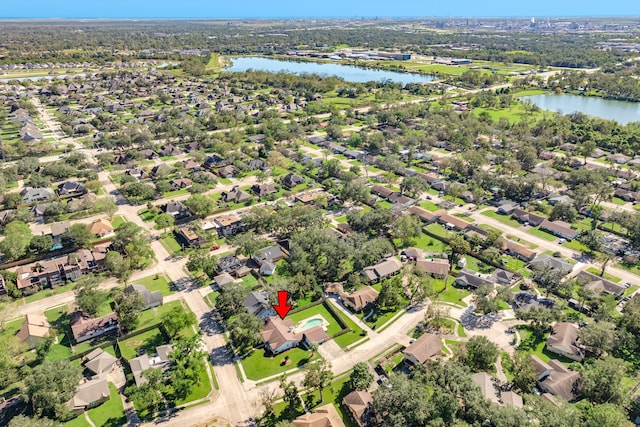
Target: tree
column 41, row 244
column 540, row 317
column 24, row 421
column 202, row 260
column 587, row 148
column 602, row 380
column 606, row 415
column 318, row 376
column 117, row 265
column 77, row 236
column 134, row 241
column 11, row 350
column 361, row 377
column 88, row 297
column 17, row 236
column 413, row 185
column 480, row 354
column 598, row 337
column 548, row 278
column 201, row 205
column 50, row 385
column 485, row 300
column 268, row 397
column 244, row 331
column 290, row 396
column 128, row 306
column 231, row 300
column 391, row 296
column 12, row 200
column 564, row 211
column 406, row 228
column 249, row 243
column 458, row 247
column 106, row 205
column 165, row 221
column 177, row 319
column 524, row 372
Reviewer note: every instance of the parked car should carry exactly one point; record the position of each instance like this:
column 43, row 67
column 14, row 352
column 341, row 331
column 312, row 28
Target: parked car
column 627, row 285
column 214, row 248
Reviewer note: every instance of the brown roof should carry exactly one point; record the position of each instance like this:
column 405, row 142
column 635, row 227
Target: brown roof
column 557, row 379
column 361, row 298
column 487, row 386
column 225, row 220
column 559, row 227
column 425, row 347
column 82, row 325
column 519, row 249
column 358, row 403
column 512, row 398
column 445, row 218
column 382, row 269
column 99, row 361
column 89, row 392
column 599, row 284
column 323, row 416
column 438, row 266
column 315, row 334
column 276, row 332
column 564, row 336
column 524, row 216
column 421, row 213
column 381, row 191
column 34, row 325
column 101, row 227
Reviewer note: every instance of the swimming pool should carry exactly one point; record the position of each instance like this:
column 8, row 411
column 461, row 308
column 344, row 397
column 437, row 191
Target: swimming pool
column 311, row 323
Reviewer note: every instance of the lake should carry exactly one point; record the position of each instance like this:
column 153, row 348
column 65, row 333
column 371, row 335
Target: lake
column 621, row 111
column 348, row 72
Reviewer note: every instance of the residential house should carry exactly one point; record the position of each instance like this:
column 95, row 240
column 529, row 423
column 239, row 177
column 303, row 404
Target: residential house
column 437, row 267
column 360, row 299
column 523, row 216
column 170, row 150
column 35, row 329
column 401, row 200
column 176, row 209
column 137, row 173
column 317, row 140
column 292, row 180
column 151, row 299
column 386, row 268
column 214, row 162
column 29, row 132
column 507, row 208
column 556, row 199
column 258, row 164
column 35, row 195
column 360, row 404
column 600, row 285
column 228, row 225
column 280, row 335
column 180, row 183
column 627, row 195
column 503, row 277
column 99, row 361
column 511, row 398
column 323, row 416
column 257, row 303
column 143, row 362
column 57, row 230
column 235, row 195
column 71, row 189
column 228, row 171
column 488, row 386
column 190, row 165
column 229, row 264
column 89, row 394
column 85, row 327
column 474, row 231
column 101, row 228
column 471, row 279
column 263, row 190
column 559, row 228
column 519, row 251
column 223, row 279
column 257, row 138
column 422, row 349
column 618, row 158
column 555, row 378
column 149, row 154
column 271, row 254
column 381, row 191
column 546, row 261
column 425, row 215
column 563, row 341
column 192, row 236
column 451, row 222
column 162, row 169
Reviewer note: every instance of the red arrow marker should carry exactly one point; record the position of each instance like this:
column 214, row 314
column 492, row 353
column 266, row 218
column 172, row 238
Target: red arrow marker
column 282, row 308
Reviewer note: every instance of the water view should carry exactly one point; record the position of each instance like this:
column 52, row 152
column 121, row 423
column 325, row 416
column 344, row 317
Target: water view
column 348, row 72
column 621, row 111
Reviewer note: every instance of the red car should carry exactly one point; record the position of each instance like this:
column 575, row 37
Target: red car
column 214, row 248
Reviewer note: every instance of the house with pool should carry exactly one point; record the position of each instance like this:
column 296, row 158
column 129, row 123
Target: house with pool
column 282, row 335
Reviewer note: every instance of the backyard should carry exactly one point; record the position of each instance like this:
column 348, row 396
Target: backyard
column 258, row 365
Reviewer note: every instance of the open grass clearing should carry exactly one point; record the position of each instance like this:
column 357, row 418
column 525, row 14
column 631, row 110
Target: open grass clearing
column 257, row 365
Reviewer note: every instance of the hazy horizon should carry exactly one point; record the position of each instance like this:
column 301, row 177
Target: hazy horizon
column 252, row 9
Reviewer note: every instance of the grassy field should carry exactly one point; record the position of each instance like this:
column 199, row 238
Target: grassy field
column 111, row 412
column 156, row 283
column 170, row 243
column 117, row 221
column 429, row 205
column 145, row 342
column 201, row 390
column 258, row 366
column 451, row 293
column 542, row 234
column 427, row 243
column 505, row 219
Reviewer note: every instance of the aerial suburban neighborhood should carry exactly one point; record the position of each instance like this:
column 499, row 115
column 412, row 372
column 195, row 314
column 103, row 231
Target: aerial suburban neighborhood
column 194, row 234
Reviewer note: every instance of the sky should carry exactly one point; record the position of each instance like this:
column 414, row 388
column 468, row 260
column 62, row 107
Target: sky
column 312, row 8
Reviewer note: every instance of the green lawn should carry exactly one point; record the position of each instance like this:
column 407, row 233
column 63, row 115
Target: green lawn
column 320, row 309
column 250, row 281
column 341, row 219
column 117, row 221
column 542, row 234
column 153, row 315
column 576, row 246
column 378, row 318
column 385, row 204
column 258, row 366
column 200, row 391
column 438, row 230
column 78, row 421
column 59, row 320
column 451, row 293
column 505, row 219
column 170, row 243
column 536, row 345
column 111, row 412
column 428, row 244
column 225, row 181
column 147, row 340
column 631, row 290
column 156, row 283
column 429, row 205
column 618, row 201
